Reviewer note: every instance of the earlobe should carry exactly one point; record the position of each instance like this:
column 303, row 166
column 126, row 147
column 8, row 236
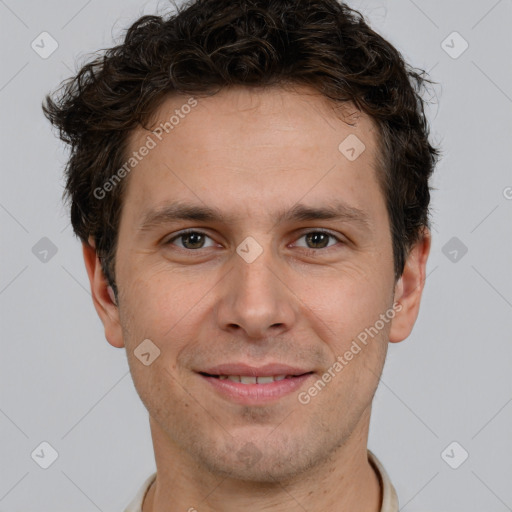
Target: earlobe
column 103, row 296
column 409, row 288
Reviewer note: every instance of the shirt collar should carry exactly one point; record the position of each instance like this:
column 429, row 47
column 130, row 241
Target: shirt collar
column 389, row 497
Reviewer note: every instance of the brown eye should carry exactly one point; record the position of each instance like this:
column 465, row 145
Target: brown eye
column 317, row 239
column 189, row 240
column 193, row 240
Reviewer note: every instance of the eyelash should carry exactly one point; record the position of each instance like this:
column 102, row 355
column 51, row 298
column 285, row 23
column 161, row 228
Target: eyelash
column 306, row 249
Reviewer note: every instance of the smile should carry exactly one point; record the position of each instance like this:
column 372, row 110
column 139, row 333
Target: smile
column 244, row 379
column 254, row 390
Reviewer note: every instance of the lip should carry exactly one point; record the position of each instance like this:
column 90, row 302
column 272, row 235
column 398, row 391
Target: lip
column 266, row 370
column 255, row 394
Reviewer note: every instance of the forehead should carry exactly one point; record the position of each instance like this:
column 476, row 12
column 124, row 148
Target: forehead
column 298, row 114
column 287, row 108
column 243, row 145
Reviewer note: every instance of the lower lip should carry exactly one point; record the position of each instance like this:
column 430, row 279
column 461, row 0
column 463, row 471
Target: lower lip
column 253, row 394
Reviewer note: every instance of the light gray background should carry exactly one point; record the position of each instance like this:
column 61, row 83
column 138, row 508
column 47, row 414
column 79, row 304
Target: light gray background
column 62, row 383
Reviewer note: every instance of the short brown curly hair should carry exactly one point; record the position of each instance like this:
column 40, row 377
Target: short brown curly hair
column 207, row 45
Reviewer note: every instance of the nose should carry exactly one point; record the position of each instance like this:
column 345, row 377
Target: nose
column 255, row 299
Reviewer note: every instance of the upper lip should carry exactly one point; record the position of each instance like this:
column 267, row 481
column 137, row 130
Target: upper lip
column 267, row 370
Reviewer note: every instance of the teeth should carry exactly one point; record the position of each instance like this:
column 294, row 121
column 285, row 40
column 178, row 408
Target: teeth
column 245, row 379
column 265, row 380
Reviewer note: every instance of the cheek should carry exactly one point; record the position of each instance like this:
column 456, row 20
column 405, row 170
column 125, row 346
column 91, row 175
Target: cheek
column 159, row 300
column 169, row 308
column 347, row 302
column 156, row 308
column 357, row 339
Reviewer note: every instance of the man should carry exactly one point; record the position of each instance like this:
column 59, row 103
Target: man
column 249, row 179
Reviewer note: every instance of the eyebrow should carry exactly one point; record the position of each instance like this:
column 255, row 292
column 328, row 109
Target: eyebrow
column 337, row 210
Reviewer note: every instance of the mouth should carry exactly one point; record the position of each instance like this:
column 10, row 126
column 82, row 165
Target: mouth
column 251, row 379
column 248, row 385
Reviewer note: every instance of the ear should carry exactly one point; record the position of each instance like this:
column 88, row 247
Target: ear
column 409, row 288
column 102, row 296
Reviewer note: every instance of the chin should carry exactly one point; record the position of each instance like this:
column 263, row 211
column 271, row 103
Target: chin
column 257, row 461
column 266, row 472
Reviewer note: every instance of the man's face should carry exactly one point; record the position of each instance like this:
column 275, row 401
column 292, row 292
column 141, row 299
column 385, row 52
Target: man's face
column 253, row 155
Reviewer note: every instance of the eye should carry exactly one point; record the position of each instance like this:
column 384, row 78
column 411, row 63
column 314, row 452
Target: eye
column 318, row 239
column 195, row 240
column 190, row 240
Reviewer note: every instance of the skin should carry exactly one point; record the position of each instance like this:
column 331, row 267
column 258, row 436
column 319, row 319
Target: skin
column 252, row 153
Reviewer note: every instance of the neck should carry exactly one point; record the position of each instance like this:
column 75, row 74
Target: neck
column 346, row 482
